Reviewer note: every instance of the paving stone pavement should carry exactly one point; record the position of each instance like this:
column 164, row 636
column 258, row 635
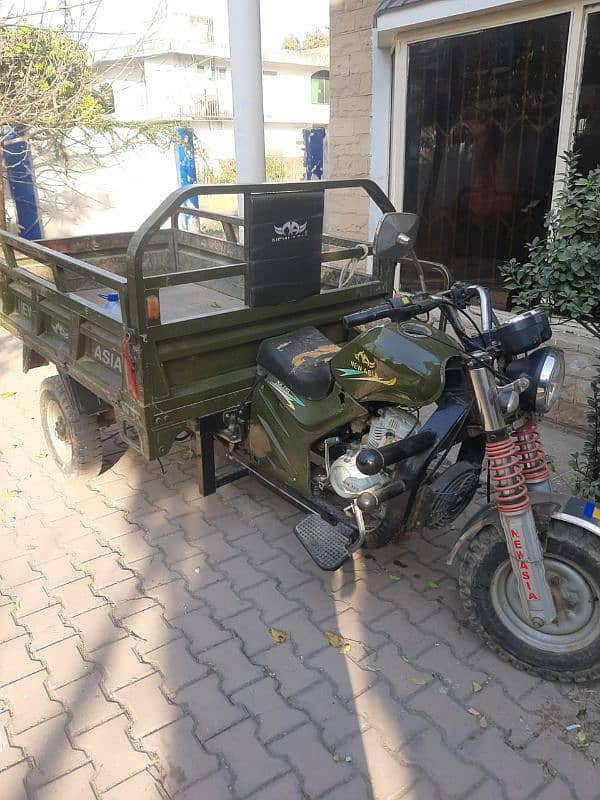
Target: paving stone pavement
column 136, row 658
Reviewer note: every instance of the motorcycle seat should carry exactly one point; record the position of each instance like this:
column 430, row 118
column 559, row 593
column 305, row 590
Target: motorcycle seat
column 300, row 360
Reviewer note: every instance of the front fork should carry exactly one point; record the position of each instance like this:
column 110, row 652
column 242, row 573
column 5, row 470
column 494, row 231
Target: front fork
column 516, row 465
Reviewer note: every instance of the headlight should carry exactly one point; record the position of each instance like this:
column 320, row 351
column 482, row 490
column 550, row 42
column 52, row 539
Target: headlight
column 550, row 378
column 545, row 368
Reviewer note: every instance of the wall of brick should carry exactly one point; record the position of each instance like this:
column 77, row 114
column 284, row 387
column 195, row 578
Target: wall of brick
column 582, row 357
column 349, row 137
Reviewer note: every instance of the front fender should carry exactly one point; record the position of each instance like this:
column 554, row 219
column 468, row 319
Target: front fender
column 573, row 510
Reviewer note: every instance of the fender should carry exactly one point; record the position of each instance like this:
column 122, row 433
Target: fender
column 573, row 510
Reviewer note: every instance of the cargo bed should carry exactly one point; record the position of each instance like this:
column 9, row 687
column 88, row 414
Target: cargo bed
column 180, row 343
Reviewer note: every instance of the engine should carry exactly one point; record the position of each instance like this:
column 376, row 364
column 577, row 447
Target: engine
column 389, row 425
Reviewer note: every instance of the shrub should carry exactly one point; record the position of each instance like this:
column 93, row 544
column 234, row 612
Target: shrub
column 563, row 274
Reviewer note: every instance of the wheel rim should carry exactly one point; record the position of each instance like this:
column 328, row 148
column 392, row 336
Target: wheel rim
column 58, row 431
column 575, row 594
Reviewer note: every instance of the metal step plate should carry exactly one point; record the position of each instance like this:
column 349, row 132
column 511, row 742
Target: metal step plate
column 328, row 545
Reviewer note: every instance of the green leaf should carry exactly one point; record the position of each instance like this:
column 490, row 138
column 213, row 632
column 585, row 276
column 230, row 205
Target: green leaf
column 477, row 687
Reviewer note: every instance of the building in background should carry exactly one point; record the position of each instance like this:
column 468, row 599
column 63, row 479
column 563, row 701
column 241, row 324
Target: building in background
column 168, row 61
column 181, row 71
column 461, row 110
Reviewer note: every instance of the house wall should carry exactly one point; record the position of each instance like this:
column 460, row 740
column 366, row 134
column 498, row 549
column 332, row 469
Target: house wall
column 349, row 137
column 173, row 86
column 117, row 193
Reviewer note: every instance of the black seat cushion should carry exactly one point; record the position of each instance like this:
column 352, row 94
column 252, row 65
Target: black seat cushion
column 300, row 360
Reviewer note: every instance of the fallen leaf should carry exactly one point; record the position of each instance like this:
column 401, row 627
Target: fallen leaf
column 345, row 649
column 280, row 636
column 404, row 658
column 393, row 577
column 473, row 711
column 334, row 639
column 40, row 456
column 433, row 584
column 372, row 668
column 550, row 770
column 582, row 738
column 9, row 494
column 15, row 606
column 337, row 758
column 187, row 455
column 483, row 723
column 6, row 395
column 476, row 687
column 419, row 681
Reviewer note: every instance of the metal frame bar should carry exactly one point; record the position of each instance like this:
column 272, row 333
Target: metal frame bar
column 172, row 204
column 51, row 258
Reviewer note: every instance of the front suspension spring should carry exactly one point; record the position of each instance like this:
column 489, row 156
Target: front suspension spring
column 529, row 445
column 506, row 476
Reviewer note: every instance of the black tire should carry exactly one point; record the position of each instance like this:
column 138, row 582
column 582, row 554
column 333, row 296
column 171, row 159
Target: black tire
column 383, row 533
column 486, row 554
column 80, row 433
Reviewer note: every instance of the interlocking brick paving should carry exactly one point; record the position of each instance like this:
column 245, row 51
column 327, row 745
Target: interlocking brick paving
column 136, row 658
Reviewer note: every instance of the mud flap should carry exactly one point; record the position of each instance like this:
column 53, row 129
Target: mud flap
column 546, row 507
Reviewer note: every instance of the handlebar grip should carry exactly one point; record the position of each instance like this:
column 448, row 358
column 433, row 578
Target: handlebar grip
column 368, row 315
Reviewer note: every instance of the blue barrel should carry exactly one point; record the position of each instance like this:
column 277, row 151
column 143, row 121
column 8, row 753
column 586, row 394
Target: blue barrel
column 20, row 180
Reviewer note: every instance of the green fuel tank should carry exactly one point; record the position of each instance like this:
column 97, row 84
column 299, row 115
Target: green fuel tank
column 401, row 364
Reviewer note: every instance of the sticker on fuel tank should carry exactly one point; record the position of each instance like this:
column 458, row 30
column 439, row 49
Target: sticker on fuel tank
column 364, row 368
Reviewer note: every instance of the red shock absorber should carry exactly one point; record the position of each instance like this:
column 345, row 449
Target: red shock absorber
column 533, row 459
column 506, row 476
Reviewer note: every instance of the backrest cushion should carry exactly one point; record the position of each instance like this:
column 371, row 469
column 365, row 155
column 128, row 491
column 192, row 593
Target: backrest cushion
column 283, row 246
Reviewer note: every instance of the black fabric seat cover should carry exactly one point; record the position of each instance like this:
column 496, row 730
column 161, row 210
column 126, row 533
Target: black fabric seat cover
column 300, row 360
column 283, row 246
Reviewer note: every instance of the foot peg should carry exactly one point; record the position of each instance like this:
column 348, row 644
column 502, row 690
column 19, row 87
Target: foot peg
column 328, row 545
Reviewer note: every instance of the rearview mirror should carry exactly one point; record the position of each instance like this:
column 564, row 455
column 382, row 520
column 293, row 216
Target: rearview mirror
column 395, row 235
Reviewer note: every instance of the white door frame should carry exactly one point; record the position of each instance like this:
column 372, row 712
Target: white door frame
column 388, row 129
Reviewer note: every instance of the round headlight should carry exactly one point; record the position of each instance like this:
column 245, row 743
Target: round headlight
column 549, row 379
column 545, row 369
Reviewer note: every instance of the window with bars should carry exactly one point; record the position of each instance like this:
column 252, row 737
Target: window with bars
column 482, row 123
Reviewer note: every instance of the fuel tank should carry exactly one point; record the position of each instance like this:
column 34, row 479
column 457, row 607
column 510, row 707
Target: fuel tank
column 402, row 364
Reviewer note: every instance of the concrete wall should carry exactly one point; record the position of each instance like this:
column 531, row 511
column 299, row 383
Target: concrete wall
column 118, row 193
column 349, row 149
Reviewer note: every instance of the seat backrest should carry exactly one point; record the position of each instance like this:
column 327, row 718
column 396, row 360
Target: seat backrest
column 283, row 246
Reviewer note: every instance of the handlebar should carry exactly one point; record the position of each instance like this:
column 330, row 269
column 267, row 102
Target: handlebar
column 398, row 309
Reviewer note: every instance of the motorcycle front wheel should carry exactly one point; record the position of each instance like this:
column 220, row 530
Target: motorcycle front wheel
column 566, row 649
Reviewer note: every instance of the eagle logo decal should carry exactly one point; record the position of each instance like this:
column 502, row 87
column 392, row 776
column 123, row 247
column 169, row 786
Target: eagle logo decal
column 290, row 230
